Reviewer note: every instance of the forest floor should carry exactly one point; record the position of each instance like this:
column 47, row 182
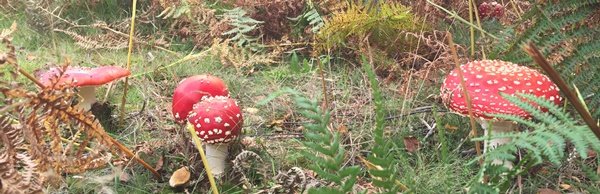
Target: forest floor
column 274, row 130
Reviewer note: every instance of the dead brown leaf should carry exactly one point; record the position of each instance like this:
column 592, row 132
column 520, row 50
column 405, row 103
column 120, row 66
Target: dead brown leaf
column 564, row 186
column 30, row 57
column 547, row 191
column 160, row 163
column 124, row 177
column 342, row 129
column 411, row 144
column 450, row 128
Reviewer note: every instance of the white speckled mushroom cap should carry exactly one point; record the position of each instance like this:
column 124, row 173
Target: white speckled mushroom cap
column 486, row 79
column 216, row 119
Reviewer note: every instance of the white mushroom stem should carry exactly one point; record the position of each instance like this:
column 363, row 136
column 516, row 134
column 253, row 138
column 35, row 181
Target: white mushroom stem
column 495, row 128
column 88, row 97
column 216, row 155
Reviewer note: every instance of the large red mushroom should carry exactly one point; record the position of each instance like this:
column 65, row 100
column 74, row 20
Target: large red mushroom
column 217, row 121
column 192, row 90
column 485, row 80
column 86, row 78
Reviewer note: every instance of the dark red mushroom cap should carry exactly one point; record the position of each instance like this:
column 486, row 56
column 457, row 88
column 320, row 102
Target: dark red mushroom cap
column 486, row 79
column 85, row 76
column 216, row 119
column 192, row 90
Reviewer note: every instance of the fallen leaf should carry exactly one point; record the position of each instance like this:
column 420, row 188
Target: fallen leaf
column 159, row 163
column 411, row 144
column 450, row 128
column 30, row 57
column 124, row 177
column 591, row 154
column 251, row 110
column 342, row 129
column 564, row 186
column 547, row 191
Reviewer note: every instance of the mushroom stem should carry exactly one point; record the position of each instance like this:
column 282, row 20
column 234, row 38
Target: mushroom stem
column 88, row 97
column 216, row 155
column 497, row 127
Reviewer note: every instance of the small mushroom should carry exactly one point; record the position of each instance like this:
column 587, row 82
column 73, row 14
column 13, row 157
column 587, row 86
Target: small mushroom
column 87, row 79
column 192, row 90
column 484, row 81
column 217, row 121
column 180, row 178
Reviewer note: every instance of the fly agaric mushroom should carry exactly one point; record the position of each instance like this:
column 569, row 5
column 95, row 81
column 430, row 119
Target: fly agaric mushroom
column 484, row 81
column 217, row 121
column 192, row 90
column 86, row 78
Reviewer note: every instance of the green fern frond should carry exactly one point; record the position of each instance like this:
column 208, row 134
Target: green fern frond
column 242, row 25
column 546, row 140
column 385, row 175
column 324, row 148
column 561, row 31
column 310, row 17
column 549, row 135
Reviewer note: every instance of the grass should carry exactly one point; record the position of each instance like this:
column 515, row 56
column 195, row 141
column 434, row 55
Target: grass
column 150, row 130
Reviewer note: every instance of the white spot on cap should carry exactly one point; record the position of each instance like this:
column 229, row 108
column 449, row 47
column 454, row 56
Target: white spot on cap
column 517, row 82
column 198, row 125
column 227, row 132
column 502, row 88
column 218, row 119
column 479, row 76
column 206, row 120
column 226, row 125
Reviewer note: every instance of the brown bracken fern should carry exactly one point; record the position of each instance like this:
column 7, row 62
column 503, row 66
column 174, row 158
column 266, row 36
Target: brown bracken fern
column 40, row 131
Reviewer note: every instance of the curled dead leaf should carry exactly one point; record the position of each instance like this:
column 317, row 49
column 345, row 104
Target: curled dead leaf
column 564, row 186
column 450, row 128
column 547, row 191
column 411, row 144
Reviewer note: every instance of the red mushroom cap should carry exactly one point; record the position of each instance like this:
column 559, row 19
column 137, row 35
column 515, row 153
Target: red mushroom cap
column 486, row 79
column 85, row 76
column 216, row 119
column 193, row 89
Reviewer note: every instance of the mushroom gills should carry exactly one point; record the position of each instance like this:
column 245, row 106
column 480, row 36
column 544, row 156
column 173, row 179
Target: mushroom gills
column 88, row 97
column 495, row 128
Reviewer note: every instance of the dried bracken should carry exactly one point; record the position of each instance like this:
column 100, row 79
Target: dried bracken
column 242, row 58
column 102, row 41
column 41, row 130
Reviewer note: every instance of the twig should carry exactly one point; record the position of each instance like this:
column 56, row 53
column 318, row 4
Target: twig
column 184, row 59
column 125, row 87
column 532, row 50
column 211, row 178
column 466, row 94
